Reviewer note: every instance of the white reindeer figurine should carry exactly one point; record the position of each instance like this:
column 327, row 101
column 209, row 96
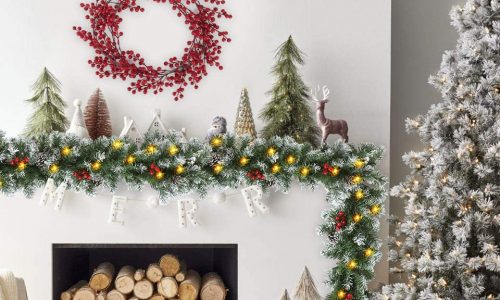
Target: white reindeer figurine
column 328, row 126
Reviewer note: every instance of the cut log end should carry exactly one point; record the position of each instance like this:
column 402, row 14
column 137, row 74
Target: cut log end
column 85, row 293
column 124, row 281
column 143, row 289
column 68, row 294
column 102, row 277
column 189, row 289
column 170, row 265
column 154, row 273
column 168, row 287
column 116, row 295
column 213, row 287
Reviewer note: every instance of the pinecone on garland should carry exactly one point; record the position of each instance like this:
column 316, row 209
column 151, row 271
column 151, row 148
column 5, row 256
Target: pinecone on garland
column 306, row 290
column 245, row 124
column 97, row 117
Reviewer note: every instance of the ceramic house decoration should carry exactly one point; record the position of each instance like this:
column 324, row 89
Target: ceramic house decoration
column 131, row 131
column 157, row 126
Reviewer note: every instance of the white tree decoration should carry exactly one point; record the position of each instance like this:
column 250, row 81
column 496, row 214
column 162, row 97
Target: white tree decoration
column 306, row 290
column 77, row 126
column 285, row 296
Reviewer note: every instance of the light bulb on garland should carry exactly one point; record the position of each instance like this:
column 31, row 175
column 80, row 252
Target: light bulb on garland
column 305, row 171
column 357, row 179
column 357, row 218
column 180, row 169
column 271, row 151
column 22, row 166
column 216, row 142
column 276, row 168
column 352, row 264
column 53, row 169
column 290, row 159
column 218, row 168
column 66, row 151
column 358, row 164
column 1, row 183
column 335, row 171
column 341, row 294
column 173, row 150
column 130, row 160
column 160, row 175
column 359, row 195
column 375, row 209
column 151, row 149
column 244, row 161
column 96, row 166
column 117, row 144
column 369, row 252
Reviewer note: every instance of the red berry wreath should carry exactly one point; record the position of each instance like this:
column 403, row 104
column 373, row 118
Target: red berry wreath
column 111, row 61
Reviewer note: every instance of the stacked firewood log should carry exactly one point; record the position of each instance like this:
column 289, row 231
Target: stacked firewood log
column 170, row 278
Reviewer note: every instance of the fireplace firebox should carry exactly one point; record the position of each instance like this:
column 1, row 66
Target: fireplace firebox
column 74, row 262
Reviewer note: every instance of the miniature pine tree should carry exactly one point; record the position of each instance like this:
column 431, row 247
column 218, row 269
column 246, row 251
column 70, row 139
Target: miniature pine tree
column 97, row 117
column 49, row 107
column 285, row 296
column 306, row 290
column 288, row 113
column 244, row 119
column 448, row 243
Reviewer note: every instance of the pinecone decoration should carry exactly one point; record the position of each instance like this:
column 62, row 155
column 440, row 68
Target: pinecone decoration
column 216, row 158
column 97, row 117
column 245, row 124
column 41, row 159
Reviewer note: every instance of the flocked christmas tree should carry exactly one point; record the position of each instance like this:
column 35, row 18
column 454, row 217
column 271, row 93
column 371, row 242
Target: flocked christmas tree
column 447, row 245
column 97, row 119
column 245, row 124
column 288, row 113
column 306, row 290
column 49, row 107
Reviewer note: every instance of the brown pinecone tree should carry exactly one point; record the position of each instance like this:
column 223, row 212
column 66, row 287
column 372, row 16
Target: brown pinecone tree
column 97, row 117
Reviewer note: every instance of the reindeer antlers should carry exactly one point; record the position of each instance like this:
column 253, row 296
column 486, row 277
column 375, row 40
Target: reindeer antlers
column 325, row 90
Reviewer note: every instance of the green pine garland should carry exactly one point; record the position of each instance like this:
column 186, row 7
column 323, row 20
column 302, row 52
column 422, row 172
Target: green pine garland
column 173, row 166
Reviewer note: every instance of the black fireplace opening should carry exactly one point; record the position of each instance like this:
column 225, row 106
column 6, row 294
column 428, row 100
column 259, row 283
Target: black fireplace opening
column 74, row 262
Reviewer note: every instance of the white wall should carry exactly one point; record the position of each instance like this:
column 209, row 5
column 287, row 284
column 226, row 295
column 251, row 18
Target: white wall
column 348, row 47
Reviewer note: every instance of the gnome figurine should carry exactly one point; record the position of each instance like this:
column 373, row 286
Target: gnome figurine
column 77, row 126
column 219, row 127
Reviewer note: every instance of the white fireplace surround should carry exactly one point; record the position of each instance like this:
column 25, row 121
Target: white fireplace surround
column 348, row 47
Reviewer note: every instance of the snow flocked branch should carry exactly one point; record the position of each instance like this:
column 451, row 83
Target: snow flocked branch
column 176, row 167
